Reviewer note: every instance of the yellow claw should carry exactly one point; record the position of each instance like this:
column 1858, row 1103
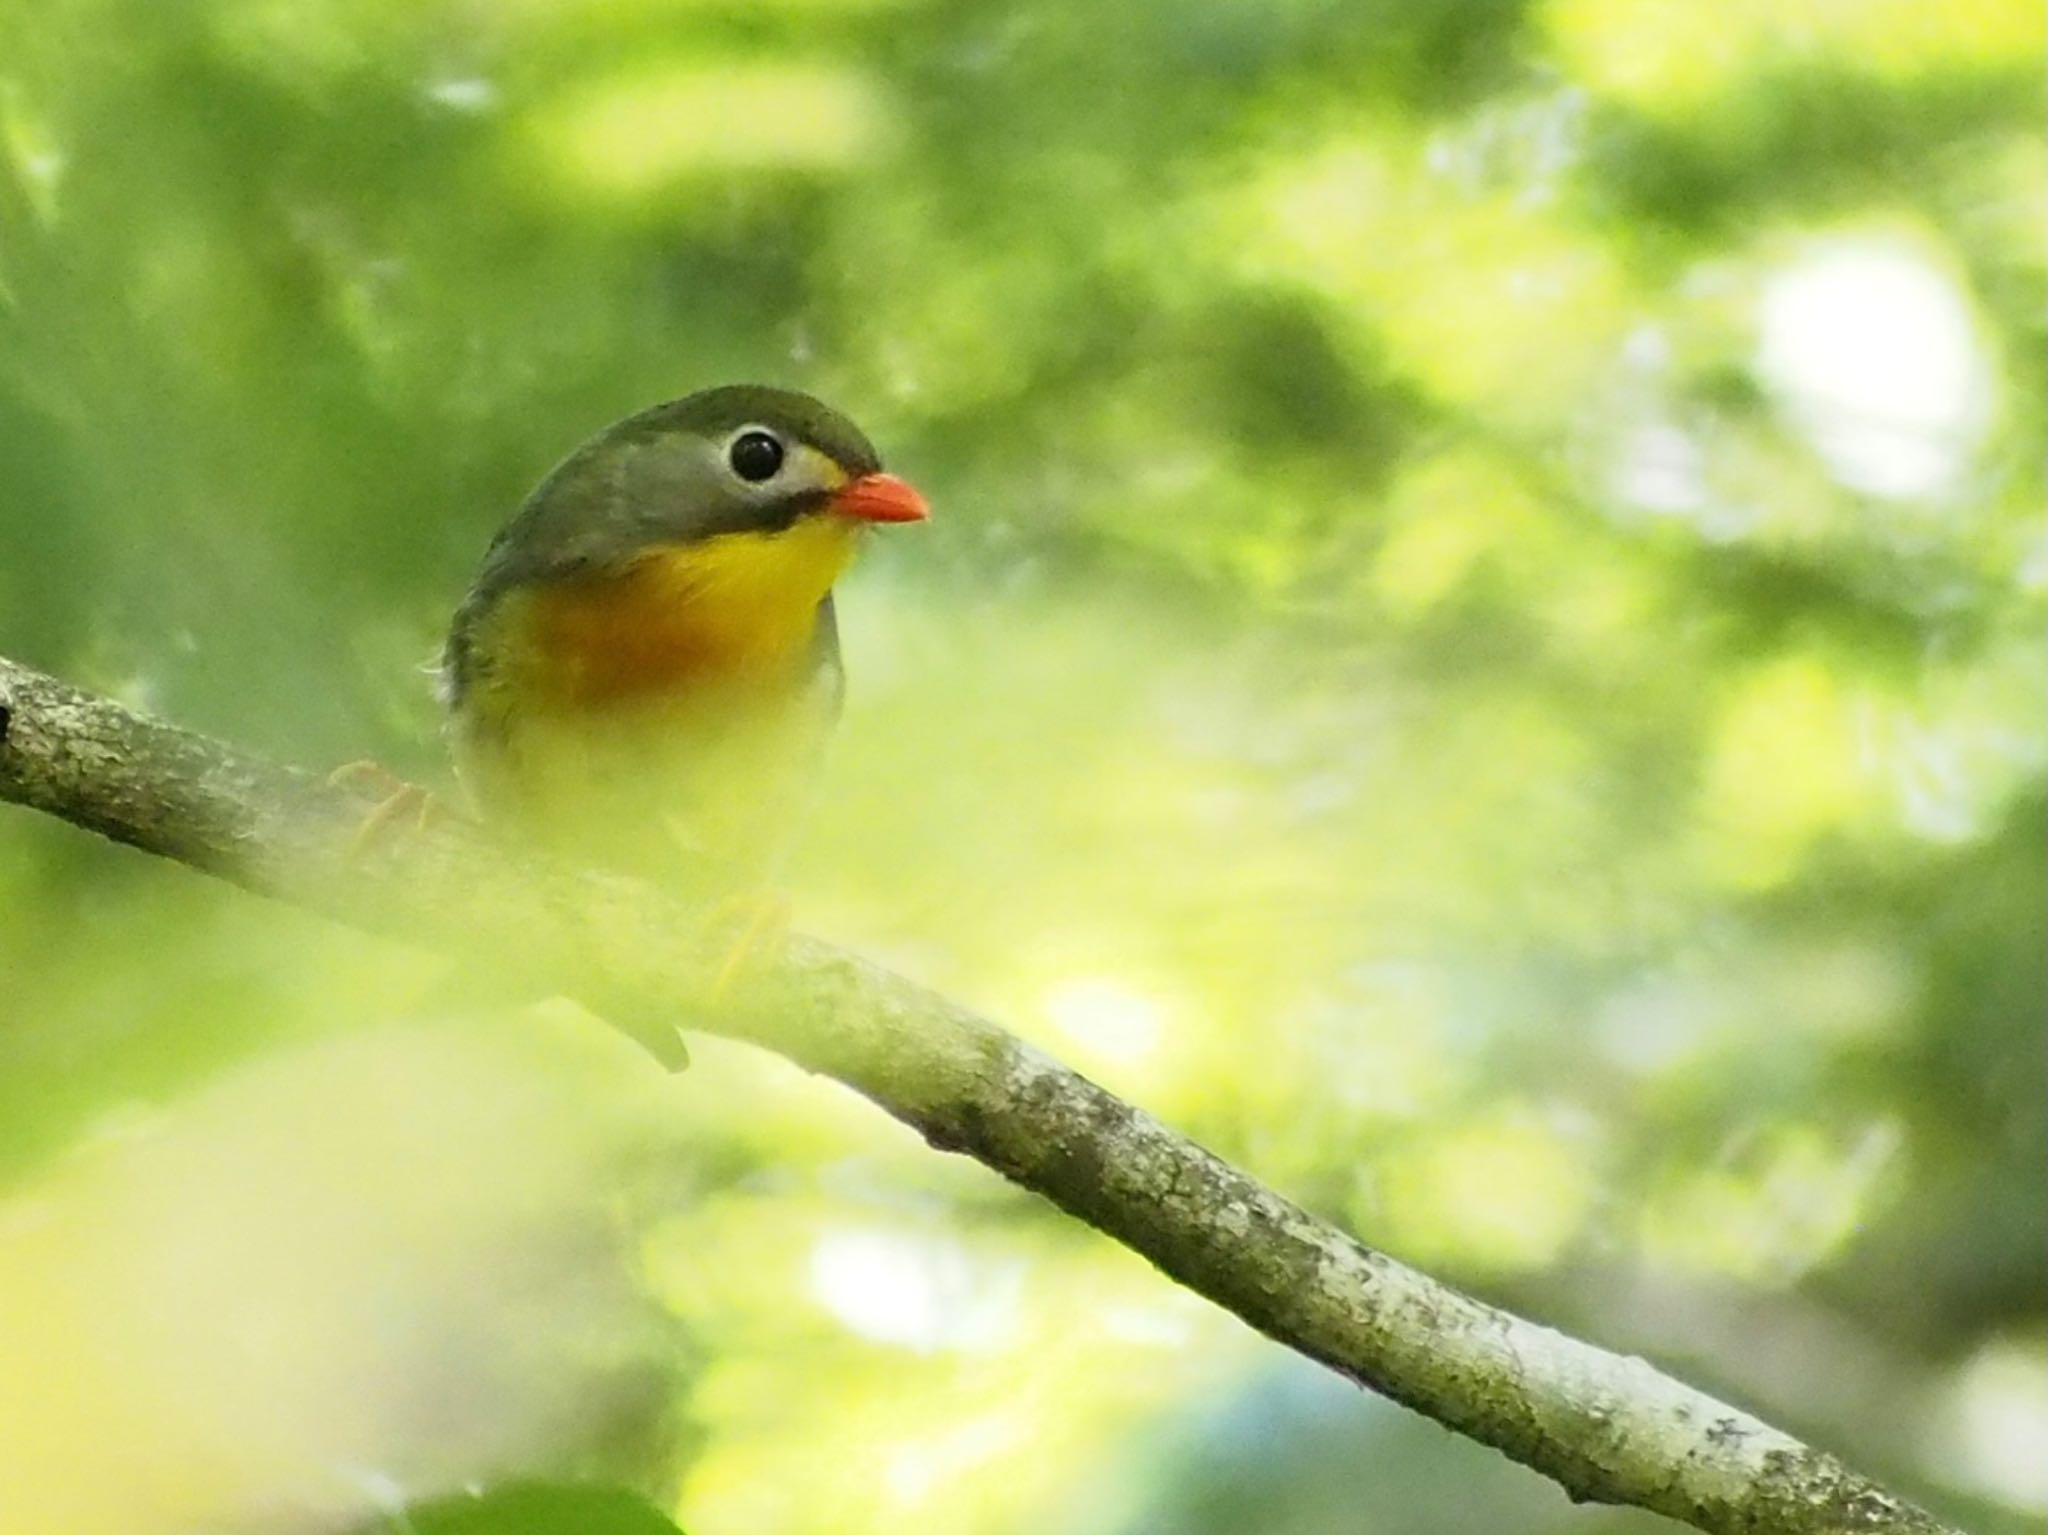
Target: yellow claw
column 762, row 919
column 396, row 797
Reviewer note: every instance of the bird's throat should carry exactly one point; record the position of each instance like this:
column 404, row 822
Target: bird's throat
column 739, row 610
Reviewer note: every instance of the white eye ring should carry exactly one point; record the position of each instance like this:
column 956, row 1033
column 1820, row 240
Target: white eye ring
column 755, row 454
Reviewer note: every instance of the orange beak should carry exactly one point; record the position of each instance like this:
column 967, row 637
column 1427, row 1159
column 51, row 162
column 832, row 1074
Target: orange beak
column 879, row 498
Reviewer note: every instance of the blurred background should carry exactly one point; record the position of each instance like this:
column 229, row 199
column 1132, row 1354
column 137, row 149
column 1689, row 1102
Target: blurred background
column 1480, row 652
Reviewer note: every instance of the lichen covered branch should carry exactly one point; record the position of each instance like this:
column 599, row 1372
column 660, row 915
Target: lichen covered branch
column 1606, row 1428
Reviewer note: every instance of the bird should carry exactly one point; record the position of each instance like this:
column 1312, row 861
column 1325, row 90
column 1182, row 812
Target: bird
column 646, row 668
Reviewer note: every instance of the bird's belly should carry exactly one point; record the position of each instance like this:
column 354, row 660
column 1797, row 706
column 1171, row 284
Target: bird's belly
column 695, row 790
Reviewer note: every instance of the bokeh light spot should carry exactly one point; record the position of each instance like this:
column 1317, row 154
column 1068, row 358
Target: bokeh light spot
column 1874, row 355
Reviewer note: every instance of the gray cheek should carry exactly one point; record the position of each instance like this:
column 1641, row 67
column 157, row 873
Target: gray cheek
column 672, row 490
column 680, row 490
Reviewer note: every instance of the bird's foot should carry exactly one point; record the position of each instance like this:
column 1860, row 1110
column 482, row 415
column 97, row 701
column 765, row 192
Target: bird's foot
column 398, row 802
column 759, row 923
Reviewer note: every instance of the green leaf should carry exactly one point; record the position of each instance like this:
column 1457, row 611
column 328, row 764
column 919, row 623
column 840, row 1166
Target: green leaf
column 531, row 1508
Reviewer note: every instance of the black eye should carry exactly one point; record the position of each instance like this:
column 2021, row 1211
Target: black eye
column 755, row 456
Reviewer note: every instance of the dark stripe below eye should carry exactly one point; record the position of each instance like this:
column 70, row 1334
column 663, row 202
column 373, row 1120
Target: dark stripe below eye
column 777, row 516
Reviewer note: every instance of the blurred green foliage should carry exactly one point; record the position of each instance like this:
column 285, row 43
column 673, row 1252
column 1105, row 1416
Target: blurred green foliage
column 529, row 1508
column 1480, row 653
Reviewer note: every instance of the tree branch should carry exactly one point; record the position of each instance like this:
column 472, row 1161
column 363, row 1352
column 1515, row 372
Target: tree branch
column 1605, row 1427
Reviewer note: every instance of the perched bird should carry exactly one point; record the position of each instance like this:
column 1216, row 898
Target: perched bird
column 646, row 669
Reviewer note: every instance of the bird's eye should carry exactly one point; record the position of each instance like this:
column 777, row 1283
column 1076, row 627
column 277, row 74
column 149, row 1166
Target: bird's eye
column 755, row 456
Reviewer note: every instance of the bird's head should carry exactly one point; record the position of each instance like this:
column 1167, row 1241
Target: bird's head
column 748, row 459
column 696, row 538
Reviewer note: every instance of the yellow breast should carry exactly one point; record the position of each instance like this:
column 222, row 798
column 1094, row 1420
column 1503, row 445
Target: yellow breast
column 736, row 610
